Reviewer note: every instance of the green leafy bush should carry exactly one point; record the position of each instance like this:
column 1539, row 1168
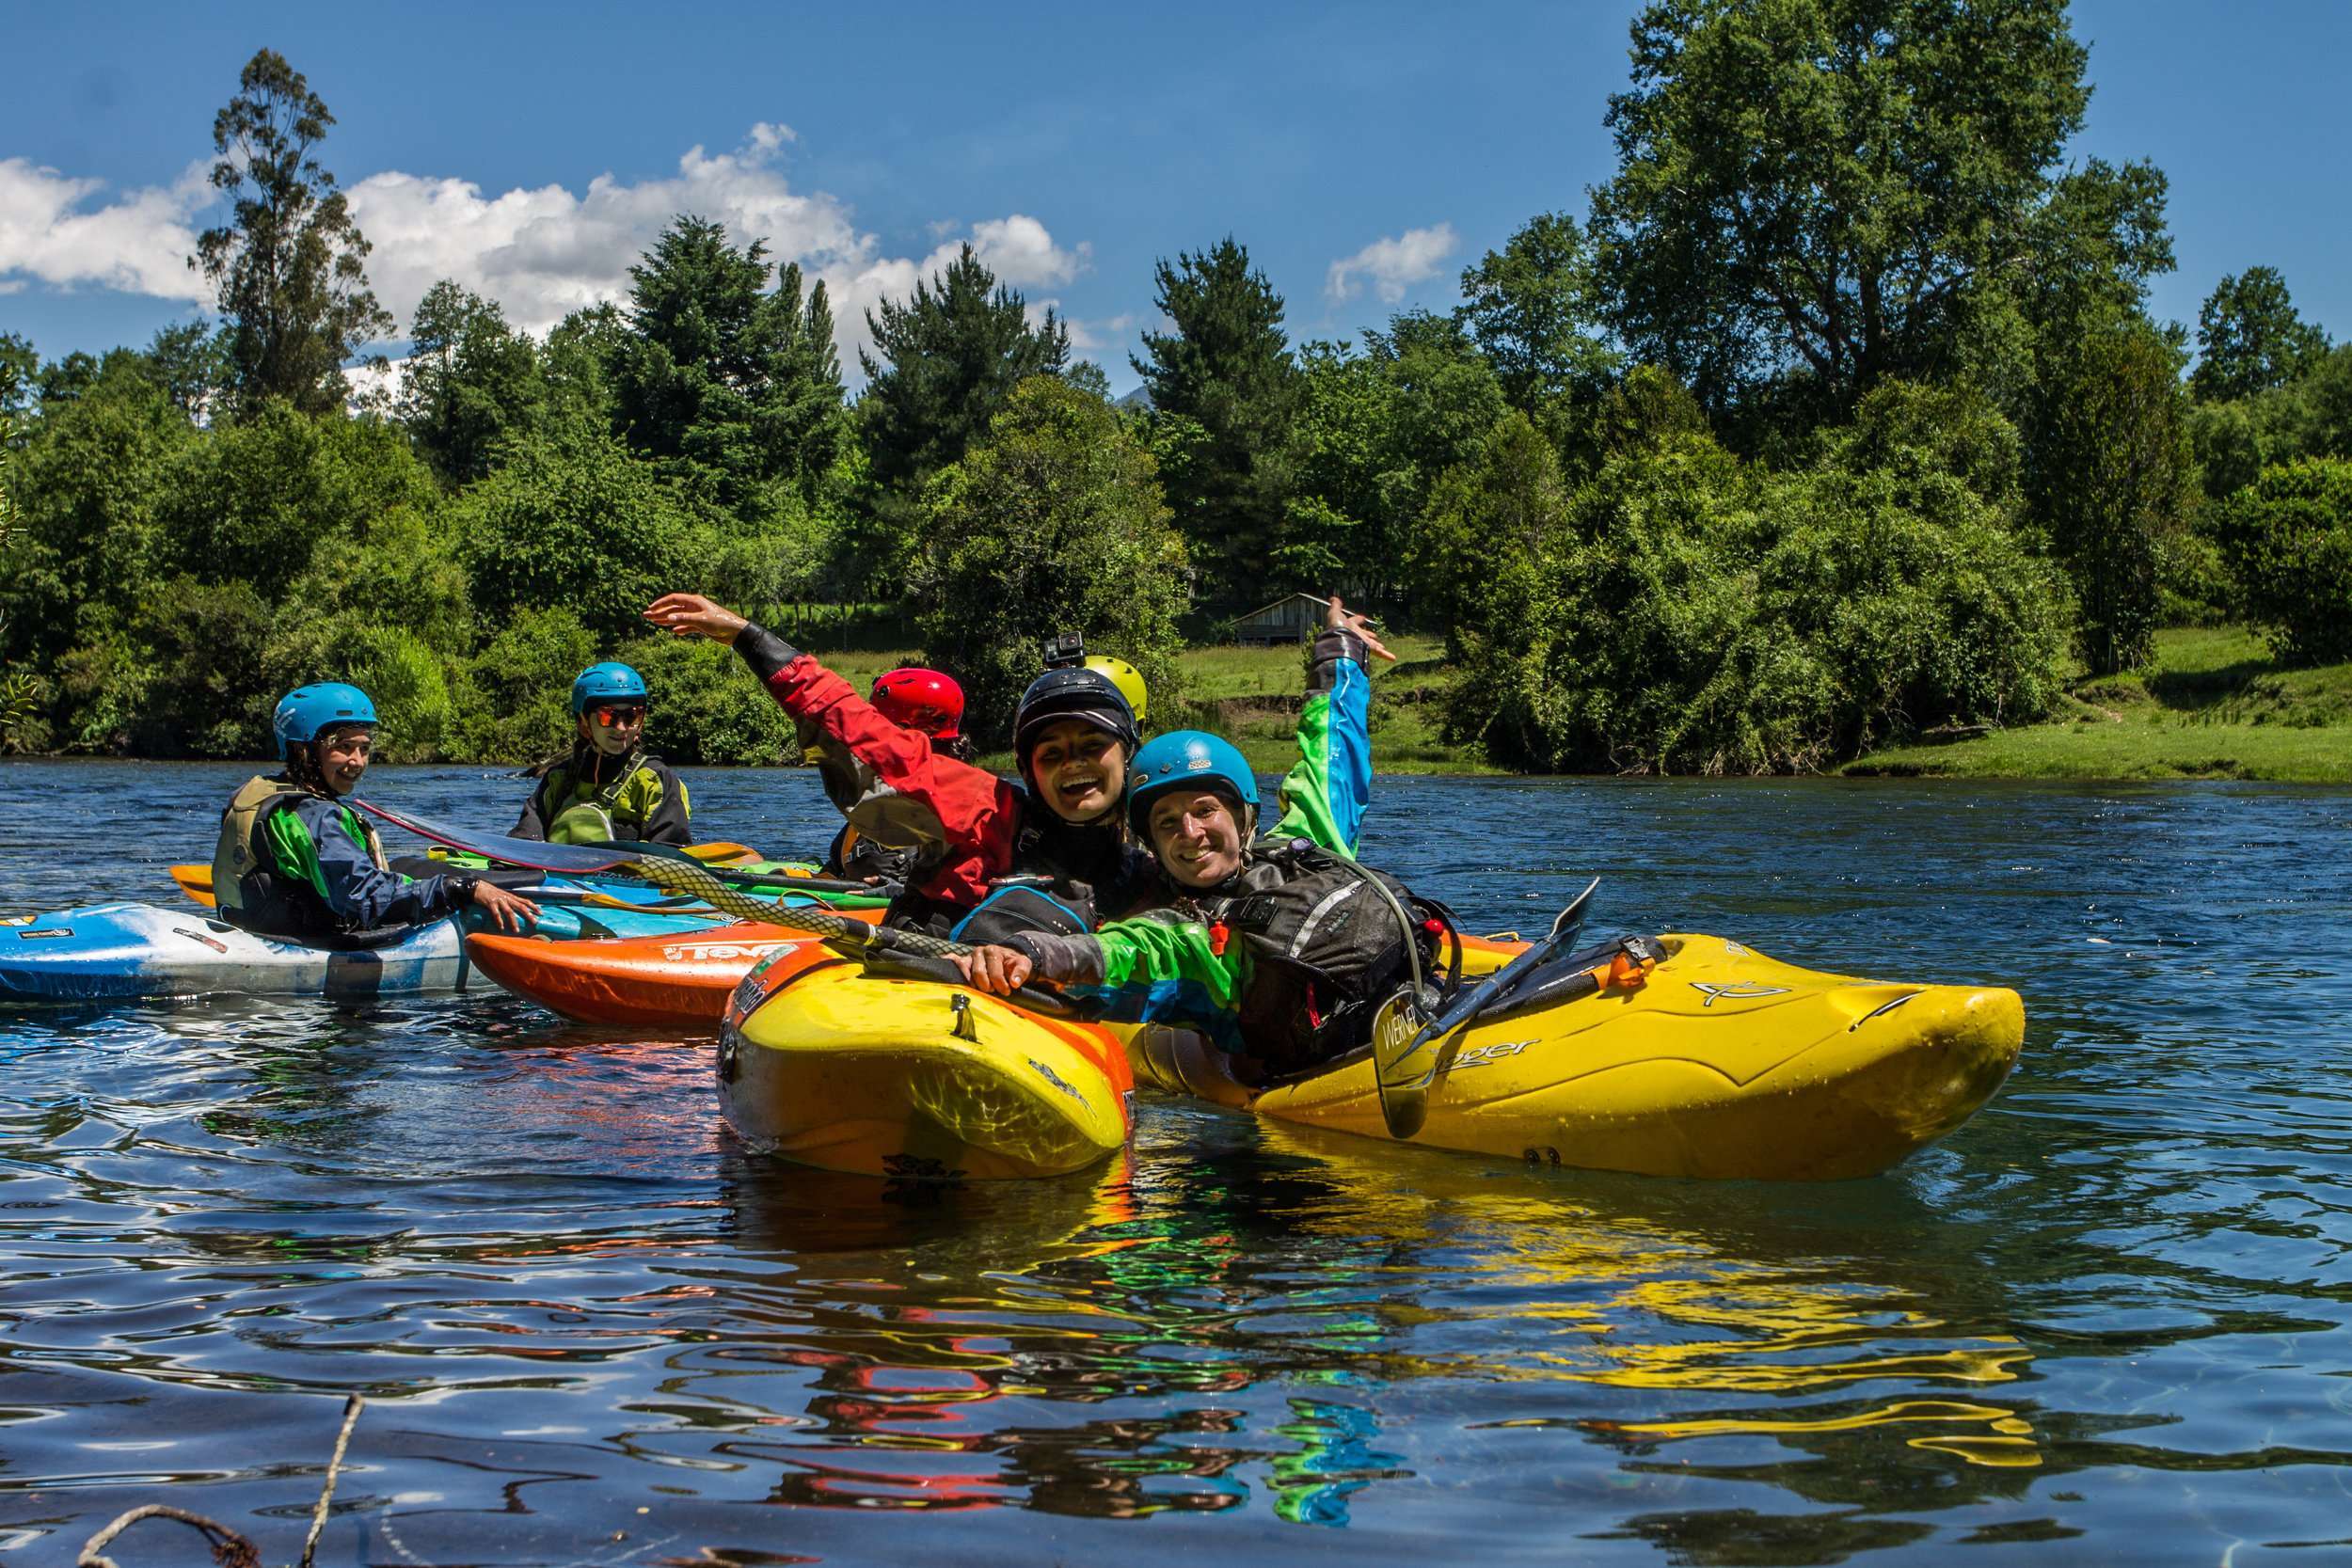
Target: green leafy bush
column 520, row 688
column 706, row 708
column 2288, row 538
column 573, row 523
column 1690, row 613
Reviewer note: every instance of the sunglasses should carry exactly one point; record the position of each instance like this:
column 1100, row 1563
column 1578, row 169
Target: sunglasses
column 612, row 717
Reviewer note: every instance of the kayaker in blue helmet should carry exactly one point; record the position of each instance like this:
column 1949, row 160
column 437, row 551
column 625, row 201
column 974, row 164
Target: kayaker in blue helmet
column 294, row 862
column 1278, row 948
column 610, row 789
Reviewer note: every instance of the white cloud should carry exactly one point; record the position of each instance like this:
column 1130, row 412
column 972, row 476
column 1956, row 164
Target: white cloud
column 51, row 233
column 1393, row 265
column 541, row 252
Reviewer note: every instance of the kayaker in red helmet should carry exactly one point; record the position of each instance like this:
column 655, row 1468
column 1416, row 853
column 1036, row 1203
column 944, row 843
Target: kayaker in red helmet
column 883, row 828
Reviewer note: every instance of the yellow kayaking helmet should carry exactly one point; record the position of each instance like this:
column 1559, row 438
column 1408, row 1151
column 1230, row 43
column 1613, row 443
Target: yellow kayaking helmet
column 1123, row 675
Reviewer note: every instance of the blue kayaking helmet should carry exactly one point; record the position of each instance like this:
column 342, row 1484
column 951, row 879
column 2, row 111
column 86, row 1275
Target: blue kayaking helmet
column 308, row 712
column 605, row 683
column 1187, row 759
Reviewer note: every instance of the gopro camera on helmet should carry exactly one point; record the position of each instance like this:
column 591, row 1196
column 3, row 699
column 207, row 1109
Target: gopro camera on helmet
column 1065, row 650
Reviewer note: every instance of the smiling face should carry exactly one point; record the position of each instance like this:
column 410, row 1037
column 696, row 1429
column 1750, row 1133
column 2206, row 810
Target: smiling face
column 343, row 756
column 1077, row 771
column 1196, row 835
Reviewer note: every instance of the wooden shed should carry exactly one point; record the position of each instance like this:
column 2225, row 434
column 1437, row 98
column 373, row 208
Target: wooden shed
column 1293, row 618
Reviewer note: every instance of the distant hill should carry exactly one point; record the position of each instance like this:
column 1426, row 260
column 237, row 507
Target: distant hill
column 1140, row 398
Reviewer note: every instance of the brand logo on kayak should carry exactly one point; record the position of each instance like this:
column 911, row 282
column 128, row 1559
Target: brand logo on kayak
column 44, row 933
column 18, row 919
column 1055, row 1078
column 1739, row 990
column 198, row 936
column 710, row 952
column 1482, row 1056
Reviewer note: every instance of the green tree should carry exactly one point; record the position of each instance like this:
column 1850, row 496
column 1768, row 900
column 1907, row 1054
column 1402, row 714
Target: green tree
column 2250, row 339
column 572, row 523
column 190, row 362
column 472, row 383
column 250, row 503
column 1507, row 501
column 1825, row 193
column 20, row 375
column 1688, row 613
column 2111, row 471
column 727, row 383
column 1373, row 433
column 1224, row 392
column 1054, row 523
column 1534, row 310
column 943, row 364
column 288, row 266
column 2288, row 538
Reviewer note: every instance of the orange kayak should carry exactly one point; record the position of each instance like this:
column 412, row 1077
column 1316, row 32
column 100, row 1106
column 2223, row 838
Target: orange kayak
column 678, row 980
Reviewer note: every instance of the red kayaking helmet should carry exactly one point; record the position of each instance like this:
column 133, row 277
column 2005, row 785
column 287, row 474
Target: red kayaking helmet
column 923, row 700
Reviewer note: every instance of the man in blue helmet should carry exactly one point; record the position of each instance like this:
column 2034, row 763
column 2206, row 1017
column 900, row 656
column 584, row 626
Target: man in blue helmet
column 1280, row 947
column 610, row 789
column 294, row 863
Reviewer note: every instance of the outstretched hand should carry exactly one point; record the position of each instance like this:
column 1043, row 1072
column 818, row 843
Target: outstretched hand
column 997, row 970
column 691, row 615
column 1338, row 617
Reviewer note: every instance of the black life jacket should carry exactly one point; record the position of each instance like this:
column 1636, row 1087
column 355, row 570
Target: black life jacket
column 1326, row 948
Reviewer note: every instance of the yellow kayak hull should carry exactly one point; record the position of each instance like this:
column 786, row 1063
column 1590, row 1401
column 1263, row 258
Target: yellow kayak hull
column 826, row 1064
column 1726, row 1064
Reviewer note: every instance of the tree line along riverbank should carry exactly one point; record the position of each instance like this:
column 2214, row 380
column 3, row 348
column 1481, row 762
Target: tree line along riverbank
column 1910, row 481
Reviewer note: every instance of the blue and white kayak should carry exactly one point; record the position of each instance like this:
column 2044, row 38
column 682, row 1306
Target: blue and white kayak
column 115, row 952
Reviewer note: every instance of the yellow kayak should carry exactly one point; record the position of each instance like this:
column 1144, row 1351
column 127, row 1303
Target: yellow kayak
column 1724, row 1062
column 828, row 1064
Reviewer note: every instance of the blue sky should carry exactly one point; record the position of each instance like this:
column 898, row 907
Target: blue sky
column 1363, row 154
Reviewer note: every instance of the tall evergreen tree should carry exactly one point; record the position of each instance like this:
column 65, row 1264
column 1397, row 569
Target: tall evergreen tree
column 945, row 363
column 728, row 383
column 2250, row 339
column 1224, row 392
column 292, row 291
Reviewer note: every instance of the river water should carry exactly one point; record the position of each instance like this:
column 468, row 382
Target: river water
column 2109, row 1321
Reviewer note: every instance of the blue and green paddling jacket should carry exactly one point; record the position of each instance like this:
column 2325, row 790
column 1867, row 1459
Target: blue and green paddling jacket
column 296, row 864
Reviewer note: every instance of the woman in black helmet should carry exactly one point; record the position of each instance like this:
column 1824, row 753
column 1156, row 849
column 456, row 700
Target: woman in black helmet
column 1050, row 852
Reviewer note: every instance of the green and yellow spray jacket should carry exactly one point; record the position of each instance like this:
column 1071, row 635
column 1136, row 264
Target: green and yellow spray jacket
column 1285, row 959
column 295, row 865
column 592, row 799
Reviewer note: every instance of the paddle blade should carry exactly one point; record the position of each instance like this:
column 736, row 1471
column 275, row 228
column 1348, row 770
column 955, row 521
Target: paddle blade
column 721, row 852
column 196, row 882
column 1401, row 1065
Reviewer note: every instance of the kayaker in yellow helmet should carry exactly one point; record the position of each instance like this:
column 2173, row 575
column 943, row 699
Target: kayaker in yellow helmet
column 294, row 862
column 1278, row 948
column 609, row 788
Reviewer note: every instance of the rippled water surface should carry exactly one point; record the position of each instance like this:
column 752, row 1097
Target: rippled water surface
column 2106, row 1322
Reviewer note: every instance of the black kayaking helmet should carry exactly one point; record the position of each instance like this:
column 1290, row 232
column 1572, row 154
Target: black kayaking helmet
column 1089, row 696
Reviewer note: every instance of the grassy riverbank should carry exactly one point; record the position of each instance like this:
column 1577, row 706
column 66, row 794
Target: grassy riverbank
column 2214, row 707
